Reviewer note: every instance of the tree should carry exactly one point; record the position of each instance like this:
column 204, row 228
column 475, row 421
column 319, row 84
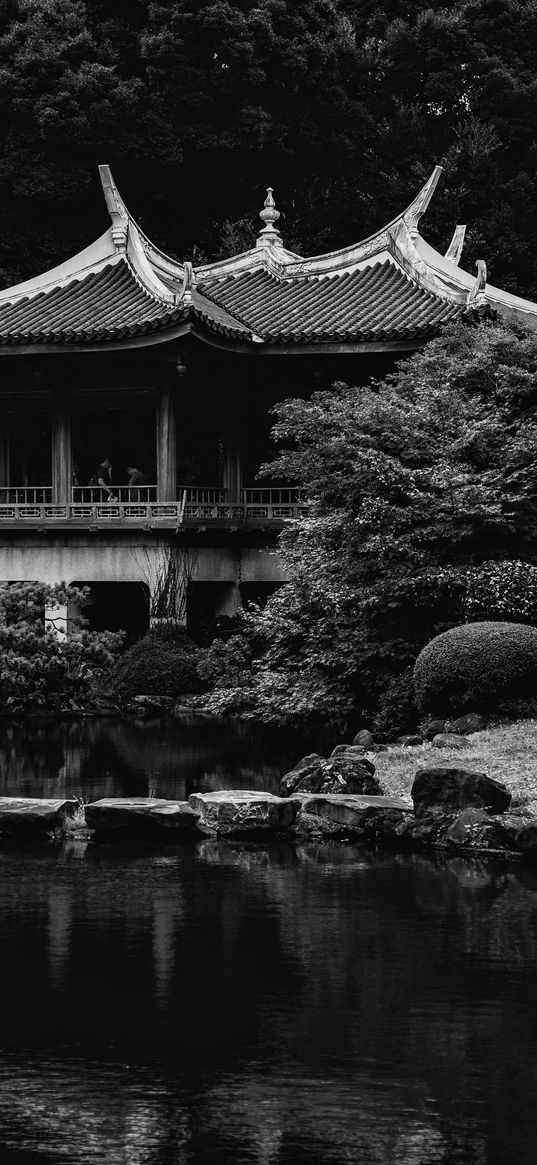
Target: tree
column 41, row 669
column 413, row 483
column 342, row 105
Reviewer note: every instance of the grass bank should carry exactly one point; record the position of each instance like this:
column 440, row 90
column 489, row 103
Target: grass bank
column 507, row 752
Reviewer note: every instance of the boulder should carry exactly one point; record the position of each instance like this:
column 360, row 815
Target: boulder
column 409, row 741
column 432, row 728
column 450, row 740
column 470, row 829
column 35, row 814
column 309, row 767
column 343, row 813
column 236, row 812
column 353, row 750
column 465, row 725
column 365, row 738
column 450, row 790
column 154, row 703
column 142, row 815
column 520, row 834
column 347, row 770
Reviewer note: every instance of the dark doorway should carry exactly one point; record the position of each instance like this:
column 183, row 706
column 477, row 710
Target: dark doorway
column 117, row 607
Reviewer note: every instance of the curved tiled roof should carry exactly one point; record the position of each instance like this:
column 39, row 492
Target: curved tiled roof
column 373, row 302
column 390, row 289
column 109, row 303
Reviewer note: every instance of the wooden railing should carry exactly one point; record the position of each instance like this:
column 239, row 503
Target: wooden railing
column 22, row 495
column 120, row 493
column 196, row 505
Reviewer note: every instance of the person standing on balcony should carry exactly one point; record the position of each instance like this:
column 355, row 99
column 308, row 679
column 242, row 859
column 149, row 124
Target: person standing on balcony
column 136, row 477
column 103, row 477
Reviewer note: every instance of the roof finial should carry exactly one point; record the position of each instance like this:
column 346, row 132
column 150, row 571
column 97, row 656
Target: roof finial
column 116, row 209
column 189, row 282
column 454, row 250
column 477, row 296
column 269, row 236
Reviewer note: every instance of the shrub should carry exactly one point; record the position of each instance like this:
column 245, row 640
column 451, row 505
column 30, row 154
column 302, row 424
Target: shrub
column 39, row 668
column 397, row 712
column 478, row 667
column 157, row 665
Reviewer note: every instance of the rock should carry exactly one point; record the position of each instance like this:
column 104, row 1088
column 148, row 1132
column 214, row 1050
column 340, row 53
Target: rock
column 309, row 766
column 347, row 770
column 432, row 728
column 153, row 703
column 142, row 815
column 464, row 725
column 343, row 813
column 520, row 834
column 448, row 790
column 355, row 750
column 365, row 738
column 450, row 740
column 409, row 741
column 235, row 812
column 468, row 828
column 344, row 774
column 35, row 815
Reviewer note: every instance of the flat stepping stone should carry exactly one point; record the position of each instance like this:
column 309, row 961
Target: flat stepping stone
column 141, row 815
column 235, row 812
column 35, row 814
column 348, row 809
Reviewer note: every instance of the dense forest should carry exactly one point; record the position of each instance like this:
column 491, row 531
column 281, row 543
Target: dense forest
column 342, row 105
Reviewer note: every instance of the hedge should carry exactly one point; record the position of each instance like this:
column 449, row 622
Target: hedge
column 157, row 665
column 477, row 667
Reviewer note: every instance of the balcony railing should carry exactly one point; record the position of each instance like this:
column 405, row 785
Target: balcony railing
column 137, row 506
column 93, row 494
column 24, row 495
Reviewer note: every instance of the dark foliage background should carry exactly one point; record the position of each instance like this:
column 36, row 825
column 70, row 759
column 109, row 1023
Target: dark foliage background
column 342, row 105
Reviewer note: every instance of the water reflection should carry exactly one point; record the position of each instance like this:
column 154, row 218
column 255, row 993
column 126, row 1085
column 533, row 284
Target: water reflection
column 107, row 758
column 268, row 1005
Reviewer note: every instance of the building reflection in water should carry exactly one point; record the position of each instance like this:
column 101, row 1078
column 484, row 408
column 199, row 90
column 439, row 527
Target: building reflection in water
column 273, row 1006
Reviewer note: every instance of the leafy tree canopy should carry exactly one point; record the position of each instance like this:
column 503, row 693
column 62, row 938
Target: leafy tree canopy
column 342, row 105
column 413, row 484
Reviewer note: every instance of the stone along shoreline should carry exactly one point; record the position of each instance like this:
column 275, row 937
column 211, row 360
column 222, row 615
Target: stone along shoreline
column 451, row 809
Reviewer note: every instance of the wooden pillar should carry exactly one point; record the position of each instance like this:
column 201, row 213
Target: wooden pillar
column 232, row 463
column 166, row 443
column 62, row 469
column 4, row 451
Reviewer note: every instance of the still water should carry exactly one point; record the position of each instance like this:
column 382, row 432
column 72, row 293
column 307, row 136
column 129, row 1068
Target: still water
column 279, row 1006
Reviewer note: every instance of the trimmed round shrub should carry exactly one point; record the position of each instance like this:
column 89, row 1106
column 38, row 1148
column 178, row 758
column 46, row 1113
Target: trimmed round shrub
column 478, row 667
column 157, row 665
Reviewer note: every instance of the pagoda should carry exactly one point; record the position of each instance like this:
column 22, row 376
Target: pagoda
column 168, row 372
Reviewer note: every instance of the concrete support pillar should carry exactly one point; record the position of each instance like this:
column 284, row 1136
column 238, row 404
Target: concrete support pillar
column 62, row 469
column 228, row 600
column 166, row 445
column 232, row 466
column 56, row 619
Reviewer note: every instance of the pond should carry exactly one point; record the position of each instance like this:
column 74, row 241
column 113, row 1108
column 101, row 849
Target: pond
column 278, row 1006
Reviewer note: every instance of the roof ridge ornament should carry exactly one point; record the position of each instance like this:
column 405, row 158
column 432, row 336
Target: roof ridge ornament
column 116, row 209
column 269, row 236
column 477, row 296
column 454, row 251
column 189, row 284
column 419, row 204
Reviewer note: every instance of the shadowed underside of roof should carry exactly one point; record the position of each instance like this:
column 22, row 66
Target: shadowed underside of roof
column 376, row 301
